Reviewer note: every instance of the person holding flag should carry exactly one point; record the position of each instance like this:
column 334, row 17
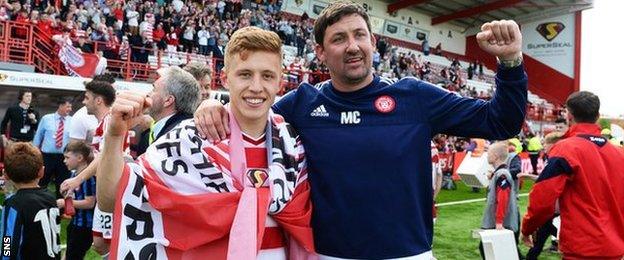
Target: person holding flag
column 245, row 197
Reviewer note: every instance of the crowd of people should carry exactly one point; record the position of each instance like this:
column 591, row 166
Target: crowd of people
column 246, row 165
column 134, row 30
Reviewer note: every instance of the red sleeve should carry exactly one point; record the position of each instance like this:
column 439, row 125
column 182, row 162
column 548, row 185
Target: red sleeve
column 545, row 192
column 503, row 189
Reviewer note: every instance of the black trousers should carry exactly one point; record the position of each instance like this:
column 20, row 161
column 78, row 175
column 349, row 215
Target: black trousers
column 534, row 158
column 542, row 235
column 79, row 240
column 55, row 170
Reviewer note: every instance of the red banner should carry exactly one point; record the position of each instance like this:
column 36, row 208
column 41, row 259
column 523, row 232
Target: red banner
column 76, row 62
column 457, row 160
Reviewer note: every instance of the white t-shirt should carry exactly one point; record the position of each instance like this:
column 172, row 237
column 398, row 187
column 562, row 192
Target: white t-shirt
column 132, row 18
column 82, row 125
column 221, row 6
column 101, row 66
column 202, row 37
column 177, row 5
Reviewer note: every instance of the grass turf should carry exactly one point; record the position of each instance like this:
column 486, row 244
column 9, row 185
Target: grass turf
column 452, row 231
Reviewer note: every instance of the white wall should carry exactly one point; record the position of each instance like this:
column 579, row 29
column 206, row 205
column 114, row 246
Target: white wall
column 380, row 19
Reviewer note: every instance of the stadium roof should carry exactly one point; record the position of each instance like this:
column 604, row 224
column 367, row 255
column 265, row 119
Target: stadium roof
column 471, row 13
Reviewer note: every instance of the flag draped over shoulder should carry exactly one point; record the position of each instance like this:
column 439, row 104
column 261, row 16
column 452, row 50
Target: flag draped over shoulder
column 181, row 199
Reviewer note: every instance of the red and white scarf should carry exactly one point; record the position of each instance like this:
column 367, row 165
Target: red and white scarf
column 186, row 198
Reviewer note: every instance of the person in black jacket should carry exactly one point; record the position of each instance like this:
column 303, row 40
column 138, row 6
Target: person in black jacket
column 23, row 119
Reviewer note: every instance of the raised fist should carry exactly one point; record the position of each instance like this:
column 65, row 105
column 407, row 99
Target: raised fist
column 501, row 39
column 126, row 112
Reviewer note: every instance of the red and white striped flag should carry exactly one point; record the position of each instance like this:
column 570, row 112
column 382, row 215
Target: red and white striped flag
column 76, row 63
column 183, row 199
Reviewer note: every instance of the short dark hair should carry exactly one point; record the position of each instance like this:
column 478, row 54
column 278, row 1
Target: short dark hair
column 107, row 77
column 23, row 92
column 22, row 162
column 64, row 100
column 102, row 89
column 80, row 148
column 584, row 106
column 332, row 14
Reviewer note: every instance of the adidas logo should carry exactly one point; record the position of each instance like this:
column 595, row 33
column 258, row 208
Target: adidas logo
column 319, row 112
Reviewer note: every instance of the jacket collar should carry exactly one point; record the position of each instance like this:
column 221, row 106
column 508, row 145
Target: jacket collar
column 502, row 166
column 582, row 128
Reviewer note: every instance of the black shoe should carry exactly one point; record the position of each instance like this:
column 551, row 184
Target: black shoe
column 553, row 249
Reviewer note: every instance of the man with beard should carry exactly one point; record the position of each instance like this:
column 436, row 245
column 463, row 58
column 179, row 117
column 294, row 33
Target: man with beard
column 368, row 137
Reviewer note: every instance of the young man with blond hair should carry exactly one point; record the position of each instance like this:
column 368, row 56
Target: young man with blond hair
column 241, row 198
column 367, row 137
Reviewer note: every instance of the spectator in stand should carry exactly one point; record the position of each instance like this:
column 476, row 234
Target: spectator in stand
column 480, row 70
column 425, row 47
column 146, row 30
column 295, row 73
column 159, row 37
column 202, row 40
column 188, row 38
column 382, row 46
column 23, row 119
column 22, row 17
column 438, row 49
column 82, row 44
column 133, row 23
column 218, row 53
column 138, row 51
column 45, row 24
column 124, row 49
column 119, row 16
column 102, row 64
column 470, row 71
column 172, row 42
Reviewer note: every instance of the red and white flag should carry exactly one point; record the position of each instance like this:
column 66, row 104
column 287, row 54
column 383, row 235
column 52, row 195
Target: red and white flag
column 76, row 63
column 186, row 198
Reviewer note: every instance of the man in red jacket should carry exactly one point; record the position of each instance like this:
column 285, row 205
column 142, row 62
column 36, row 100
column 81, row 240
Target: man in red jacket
column 585, row 173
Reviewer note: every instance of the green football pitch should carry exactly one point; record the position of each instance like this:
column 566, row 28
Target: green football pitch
column 452, row 231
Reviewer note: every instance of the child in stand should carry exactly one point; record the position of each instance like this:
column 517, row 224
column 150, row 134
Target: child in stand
column 79, row 237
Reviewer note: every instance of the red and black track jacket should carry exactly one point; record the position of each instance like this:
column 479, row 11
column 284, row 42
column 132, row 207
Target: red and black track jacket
column 586, row 173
